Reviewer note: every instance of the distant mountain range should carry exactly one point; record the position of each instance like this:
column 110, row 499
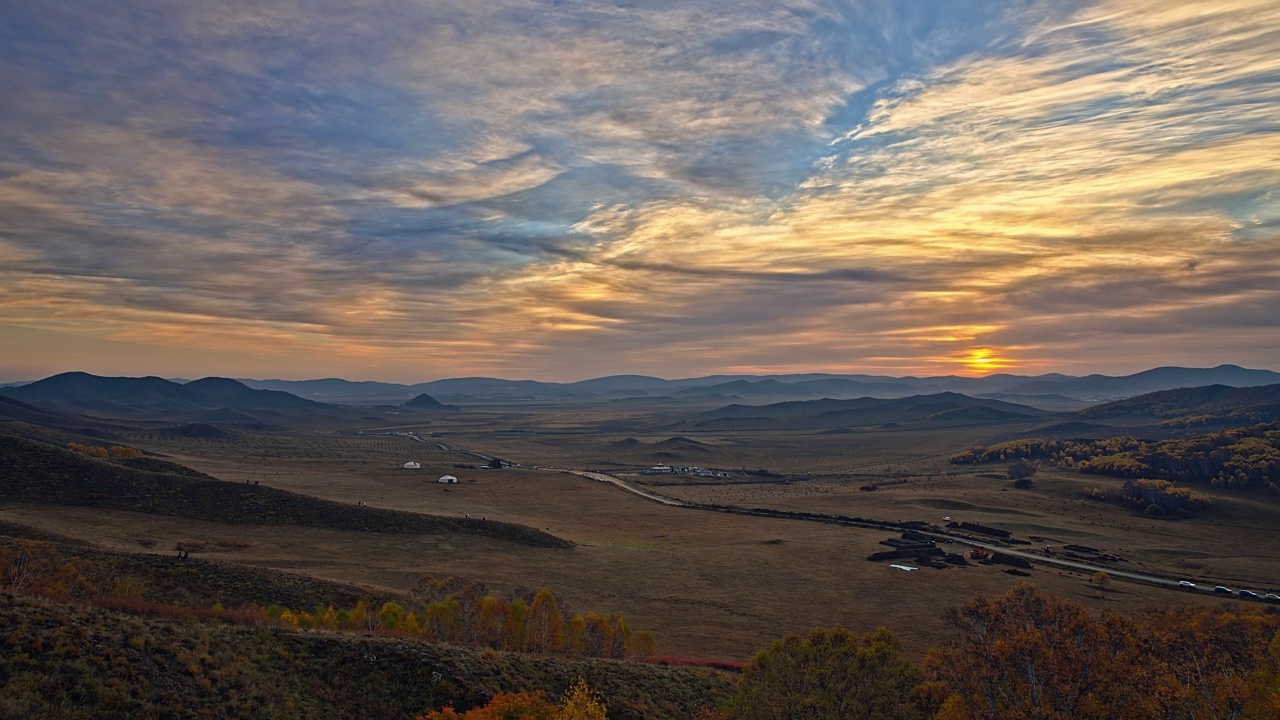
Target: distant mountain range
column 937, row 410
column 153, row 397
column 212, row 400
column 223, row 400
column 1052, row 391
column 80, row 403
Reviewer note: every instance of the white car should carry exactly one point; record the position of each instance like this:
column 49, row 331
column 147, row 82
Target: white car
column 1187, row 585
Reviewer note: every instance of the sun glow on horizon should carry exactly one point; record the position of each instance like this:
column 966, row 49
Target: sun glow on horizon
column 985, row 360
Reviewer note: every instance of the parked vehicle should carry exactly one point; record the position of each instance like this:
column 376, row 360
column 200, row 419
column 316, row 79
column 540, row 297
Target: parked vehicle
column 1222, row 590
column 1187, row 585
column 1271, row 597
column 1248, row 594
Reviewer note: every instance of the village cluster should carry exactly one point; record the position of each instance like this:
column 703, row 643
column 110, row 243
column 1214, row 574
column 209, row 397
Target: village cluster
column 684, row 470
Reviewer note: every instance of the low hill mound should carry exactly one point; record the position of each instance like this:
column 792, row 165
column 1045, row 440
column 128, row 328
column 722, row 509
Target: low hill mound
column 426, row 402
column 45, row 474
column 680, row 442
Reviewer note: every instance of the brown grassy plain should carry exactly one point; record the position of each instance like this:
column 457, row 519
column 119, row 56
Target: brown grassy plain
column 707, row 584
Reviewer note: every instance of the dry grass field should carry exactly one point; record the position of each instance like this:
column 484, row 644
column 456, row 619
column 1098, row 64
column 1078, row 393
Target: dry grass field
column 708, row 584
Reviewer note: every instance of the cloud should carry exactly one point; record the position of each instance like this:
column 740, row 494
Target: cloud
column 559, row 188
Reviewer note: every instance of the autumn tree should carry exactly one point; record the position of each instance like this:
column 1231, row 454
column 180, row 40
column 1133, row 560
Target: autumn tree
column 619, row 637
column 488, row 616
column 643, row 645
column 546, row 624
column 581, row 703
column 833, row 674
column 1028, row 655
column 1264, row 700
column 515, row 628
column 598, row 634
column 575, row 636
column 392, row 616
column 445, row 622
column 504, row 706
column 1209, row 662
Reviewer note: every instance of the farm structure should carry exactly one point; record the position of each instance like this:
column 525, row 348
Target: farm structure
column 448, row 480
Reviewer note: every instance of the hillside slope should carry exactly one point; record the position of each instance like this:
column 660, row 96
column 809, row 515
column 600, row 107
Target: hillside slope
column 1199, row 405
column 81, row 662
column 41, row 473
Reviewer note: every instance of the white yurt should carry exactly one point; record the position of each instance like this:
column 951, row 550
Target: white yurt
column 411, row 465
column 448, row 479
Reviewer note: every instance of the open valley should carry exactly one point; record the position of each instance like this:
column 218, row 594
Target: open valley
column 707, row 584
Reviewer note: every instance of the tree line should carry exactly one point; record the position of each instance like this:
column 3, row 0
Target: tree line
column 1235, row 458
column 1029, row 655
column 451, row 610
column 115, row 452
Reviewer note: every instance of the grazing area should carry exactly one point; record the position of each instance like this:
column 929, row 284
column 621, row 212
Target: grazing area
column 39, row 473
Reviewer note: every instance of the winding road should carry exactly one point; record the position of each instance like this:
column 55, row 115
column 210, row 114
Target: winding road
column 1039, row 558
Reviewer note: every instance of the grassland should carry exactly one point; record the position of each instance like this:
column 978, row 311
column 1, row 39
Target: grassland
column 40, row 473
column 707, row 584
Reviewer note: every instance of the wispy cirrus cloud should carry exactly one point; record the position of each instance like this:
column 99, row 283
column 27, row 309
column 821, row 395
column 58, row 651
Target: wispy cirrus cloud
column 561, row 189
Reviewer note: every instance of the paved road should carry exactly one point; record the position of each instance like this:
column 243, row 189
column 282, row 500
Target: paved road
column 630, row 488
column 1037, row 557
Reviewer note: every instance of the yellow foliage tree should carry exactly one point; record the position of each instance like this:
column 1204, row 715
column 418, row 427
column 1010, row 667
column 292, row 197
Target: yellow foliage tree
column 391, row 616
column 581, row 703
column 546, row 624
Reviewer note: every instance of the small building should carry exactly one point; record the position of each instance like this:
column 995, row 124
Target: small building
column 411, row 465
column 448, row 479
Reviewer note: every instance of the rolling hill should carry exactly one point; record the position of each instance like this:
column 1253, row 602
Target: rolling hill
column 1212, row 404
column 941, row 409
column 156, row 398
column 1163, row 378
column 41, row 473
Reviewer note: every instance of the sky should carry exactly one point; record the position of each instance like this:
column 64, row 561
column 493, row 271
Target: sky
column 559, row 189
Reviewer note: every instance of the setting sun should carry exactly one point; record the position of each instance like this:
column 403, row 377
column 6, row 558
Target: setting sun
column 985, row 359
